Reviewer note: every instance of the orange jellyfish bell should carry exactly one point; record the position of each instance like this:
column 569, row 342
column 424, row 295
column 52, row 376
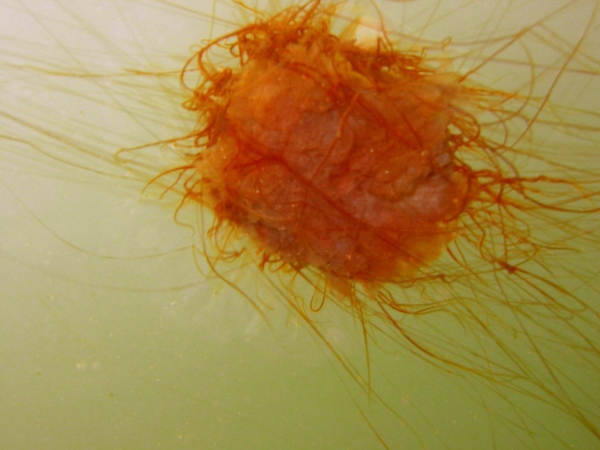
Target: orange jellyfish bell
column 388, row 186
column 328, row 154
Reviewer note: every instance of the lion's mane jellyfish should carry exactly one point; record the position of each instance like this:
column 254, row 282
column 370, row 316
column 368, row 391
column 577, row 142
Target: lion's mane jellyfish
column 362, row 169
column 395, row 188
column 409, row 211
column 330, row 155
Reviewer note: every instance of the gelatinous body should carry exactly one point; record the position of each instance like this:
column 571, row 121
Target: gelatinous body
column 328, row 154
column 439, row 291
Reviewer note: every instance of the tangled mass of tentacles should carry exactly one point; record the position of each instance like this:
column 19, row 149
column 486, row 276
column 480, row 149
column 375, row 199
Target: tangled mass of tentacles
column 330, row 154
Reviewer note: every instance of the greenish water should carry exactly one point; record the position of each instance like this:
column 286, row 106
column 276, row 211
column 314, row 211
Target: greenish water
column 110, row 338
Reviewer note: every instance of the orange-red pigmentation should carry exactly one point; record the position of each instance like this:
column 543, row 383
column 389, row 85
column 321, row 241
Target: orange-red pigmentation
column 361, row 161
column 360, row 169
column 330, row 155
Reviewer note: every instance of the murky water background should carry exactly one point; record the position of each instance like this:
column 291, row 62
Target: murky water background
column 109, row 336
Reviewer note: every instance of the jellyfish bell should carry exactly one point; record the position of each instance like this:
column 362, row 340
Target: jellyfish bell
column 329, row 155
column 489, row 326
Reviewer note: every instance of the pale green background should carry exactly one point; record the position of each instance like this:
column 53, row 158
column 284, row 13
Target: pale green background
column 109, row 337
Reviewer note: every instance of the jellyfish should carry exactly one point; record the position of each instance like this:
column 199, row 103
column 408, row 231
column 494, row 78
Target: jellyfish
column 147, row 305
